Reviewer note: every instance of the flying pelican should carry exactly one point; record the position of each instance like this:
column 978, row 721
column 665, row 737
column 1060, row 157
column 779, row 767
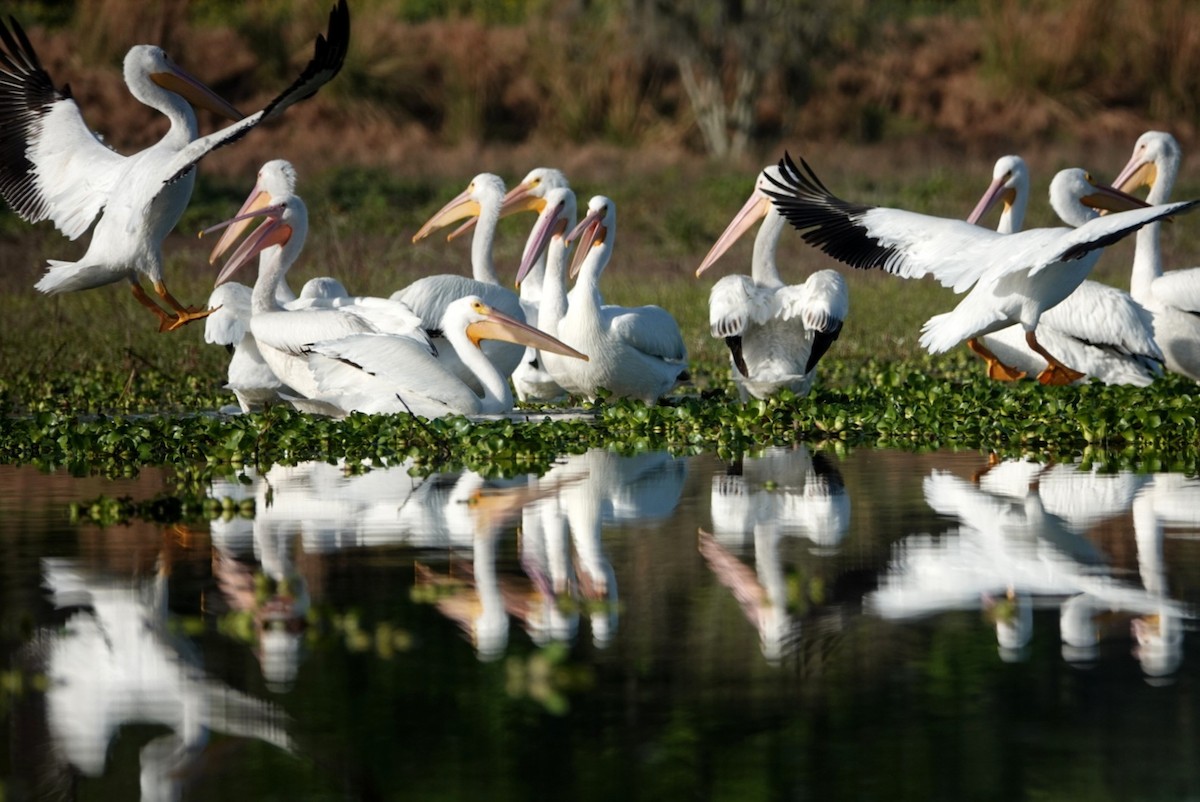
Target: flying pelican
column 376, row 373
column 428, row 297
column 635, row 352
column 1097, row 328
column 775, row 333
column 1173, row 298
column 53, row 167
column 284, row 336
column 1016, row 277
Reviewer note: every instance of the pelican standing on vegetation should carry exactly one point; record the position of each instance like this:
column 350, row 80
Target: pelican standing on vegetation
column 1015, row 277
column 1172, row 298
column 775, row 333
column 428, row 297
column 1098, row 329
column 53, row 167
column 285, row 336
column 634, row 352
column 531, row 380
column 377, row 373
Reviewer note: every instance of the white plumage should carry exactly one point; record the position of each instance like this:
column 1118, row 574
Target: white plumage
column 1015, row 277
column 1172, row 298
column 1099, row 330
column 53, row 167
column 776, row 333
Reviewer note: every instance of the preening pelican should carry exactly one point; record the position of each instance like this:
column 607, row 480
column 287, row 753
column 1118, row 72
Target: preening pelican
column 53, row 167
column 1098, row 329
column 1173, row 298
column 428, row 297
column 634, row 352
column 776, row 333
column 1016, row 277
column 378, row 373
column 285, row 335
column 531, row 380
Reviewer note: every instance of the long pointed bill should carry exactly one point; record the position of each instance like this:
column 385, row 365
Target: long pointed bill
column 755, row 209
column 996, row 192
column 184, row 84
column 258, row 200
column 1137, row 173
column 462, row 206
column 518, row 199
column 549, row 225
column 591, row 233
column 1112, row 200
column 499, row 326
column 273, row 231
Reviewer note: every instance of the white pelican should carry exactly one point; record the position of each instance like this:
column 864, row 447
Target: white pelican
column 1016, row 277
column 428, row 297
column 250, row 376
column 285, row 335
column 53, row 167
column 634, row 352
column 1099, row 329
column 776, row 333
column 1173, row 298
column 531, row 380
column 386, row 374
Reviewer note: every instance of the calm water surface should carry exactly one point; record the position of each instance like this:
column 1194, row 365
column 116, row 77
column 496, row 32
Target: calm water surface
column 798, row 625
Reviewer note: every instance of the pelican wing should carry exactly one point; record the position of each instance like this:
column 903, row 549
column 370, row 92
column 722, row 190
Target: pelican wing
column 295, row 331
column 1180, row 289
column 1105, row 317
column 380, row 373
column 735, row 302
column 903, row 243
column 649, row 329
column 384, row 314
column 1100, row 232
column 428, row 297
column 329, row 53
column 822, row 303
column 52, row 166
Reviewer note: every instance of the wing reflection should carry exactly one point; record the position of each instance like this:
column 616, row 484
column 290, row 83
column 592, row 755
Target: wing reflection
column 114, row 663
column 784, row 492
column 1025, row 537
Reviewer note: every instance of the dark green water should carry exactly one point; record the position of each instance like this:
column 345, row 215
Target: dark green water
column 875, row 625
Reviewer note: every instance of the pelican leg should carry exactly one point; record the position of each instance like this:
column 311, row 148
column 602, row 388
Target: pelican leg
column 1055, row 372
column 164, row 318
column 995, row 368
column 186, row 314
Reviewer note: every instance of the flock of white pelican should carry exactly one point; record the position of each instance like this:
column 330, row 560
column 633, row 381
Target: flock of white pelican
column 453, row 344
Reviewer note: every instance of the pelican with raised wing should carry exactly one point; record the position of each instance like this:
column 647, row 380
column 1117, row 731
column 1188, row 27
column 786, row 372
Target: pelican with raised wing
column 1013, row 278
column 776, row 333
column 53, row 167
column 1099, row 329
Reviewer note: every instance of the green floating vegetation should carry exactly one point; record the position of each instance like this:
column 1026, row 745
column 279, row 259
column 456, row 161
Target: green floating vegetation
column 112, row 430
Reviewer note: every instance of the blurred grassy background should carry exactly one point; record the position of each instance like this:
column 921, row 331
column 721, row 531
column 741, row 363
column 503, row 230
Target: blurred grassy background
column 901, row 104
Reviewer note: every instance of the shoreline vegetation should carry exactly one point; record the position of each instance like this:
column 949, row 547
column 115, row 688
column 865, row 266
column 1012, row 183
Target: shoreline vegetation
column 904, row 105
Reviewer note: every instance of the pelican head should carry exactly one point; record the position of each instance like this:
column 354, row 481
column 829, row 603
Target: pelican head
column 1154, row 150
column 528, row 196
column 276, row 180
column 147, row 65
column 555, row 219
column 482, row 322
column 757, row 206
column 1076, row 197
column 1010, row 185
column 286, row 225
column 485, row 189
column 597, row 227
